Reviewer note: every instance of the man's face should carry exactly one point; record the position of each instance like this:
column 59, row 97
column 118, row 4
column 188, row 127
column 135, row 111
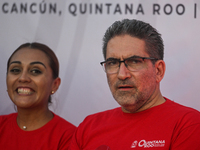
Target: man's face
column 132, row 90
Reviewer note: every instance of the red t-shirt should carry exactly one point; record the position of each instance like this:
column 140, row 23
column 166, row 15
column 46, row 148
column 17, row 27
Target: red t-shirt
column 55, row 135
column 169, row 126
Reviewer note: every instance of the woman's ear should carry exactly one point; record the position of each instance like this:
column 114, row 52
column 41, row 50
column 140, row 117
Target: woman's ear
column 160, row 70
column 56, row 84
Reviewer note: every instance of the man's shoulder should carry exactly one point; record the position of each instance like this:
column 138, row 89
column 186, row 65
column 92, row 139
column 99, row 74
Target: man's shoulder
column 176, row 107
column 106, row 112
column 102, row 116
column 182, row 112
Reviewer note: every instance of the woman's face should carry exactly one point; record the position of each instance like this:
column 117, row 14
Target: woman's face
column 29, row 79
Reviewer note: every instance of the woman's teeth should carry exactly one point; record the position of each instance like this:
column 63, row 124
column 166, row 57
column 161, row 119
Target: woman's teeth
column 24, row 91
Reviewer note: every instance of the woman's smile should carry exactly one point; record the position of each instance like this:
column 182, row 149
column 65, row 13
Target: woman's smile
column 24, row 91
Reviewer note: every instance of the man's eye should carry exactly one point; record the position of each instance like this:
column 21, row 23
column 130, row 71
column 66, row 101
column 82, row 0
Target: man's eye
column 112, row 63
column 134, row 61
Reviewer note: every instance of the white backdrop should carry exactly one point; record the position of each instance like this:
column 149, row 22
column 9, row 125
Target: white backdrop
column 74, row 30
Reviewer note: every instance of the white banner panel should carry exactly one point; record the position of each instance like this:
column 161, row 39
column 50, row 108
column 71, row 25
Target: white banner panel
column 74, row 30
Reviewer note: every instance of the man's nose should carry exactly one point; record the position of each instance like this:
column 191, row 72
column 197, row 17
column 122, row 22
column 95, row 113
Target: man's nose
column 123, row 72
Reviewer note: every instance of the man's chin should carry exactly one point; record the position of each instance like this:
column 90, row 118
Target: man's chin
column 129, row 106
column 129, row 109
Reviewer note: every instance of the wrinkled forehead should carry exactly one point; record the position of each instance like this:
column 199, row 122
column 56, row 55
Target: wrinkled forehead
column 125, row 46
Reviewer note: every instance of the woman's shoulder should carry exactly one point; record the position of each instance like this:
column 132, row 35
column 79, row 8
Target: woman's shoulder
column 6, row 121
column 61, row 122
column 6, row 117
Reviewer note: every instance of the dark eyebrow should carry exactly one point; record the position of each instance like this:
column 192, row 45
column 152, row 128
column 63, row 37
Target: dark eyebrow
column 18, row 62
column 134, row 56
column 37, row 62
column 112, row 58
column 32, row 63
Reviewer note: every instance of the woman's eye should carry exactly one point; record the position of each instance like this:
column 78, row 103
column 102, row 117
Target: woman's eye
column 36, row 71
column 15, row 71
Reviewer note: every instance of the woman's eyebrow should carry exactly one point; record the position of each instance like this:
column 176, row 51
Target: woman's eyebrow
column 37, row 62
column 32, row 63
column 18, row 62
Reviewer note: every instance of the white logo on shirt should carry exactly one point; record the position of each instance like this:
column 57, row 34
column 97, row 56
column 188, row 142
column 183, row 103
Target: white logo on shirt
column 148, row 144
column 134, row 144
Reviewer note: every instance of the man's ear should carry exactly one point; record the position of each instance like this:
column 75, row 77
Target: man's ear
column 160, row 70
column 56, row 84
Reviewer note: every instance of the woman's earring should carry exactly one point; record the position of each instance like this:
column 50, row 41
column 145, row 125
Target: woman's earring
column 52, row 92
